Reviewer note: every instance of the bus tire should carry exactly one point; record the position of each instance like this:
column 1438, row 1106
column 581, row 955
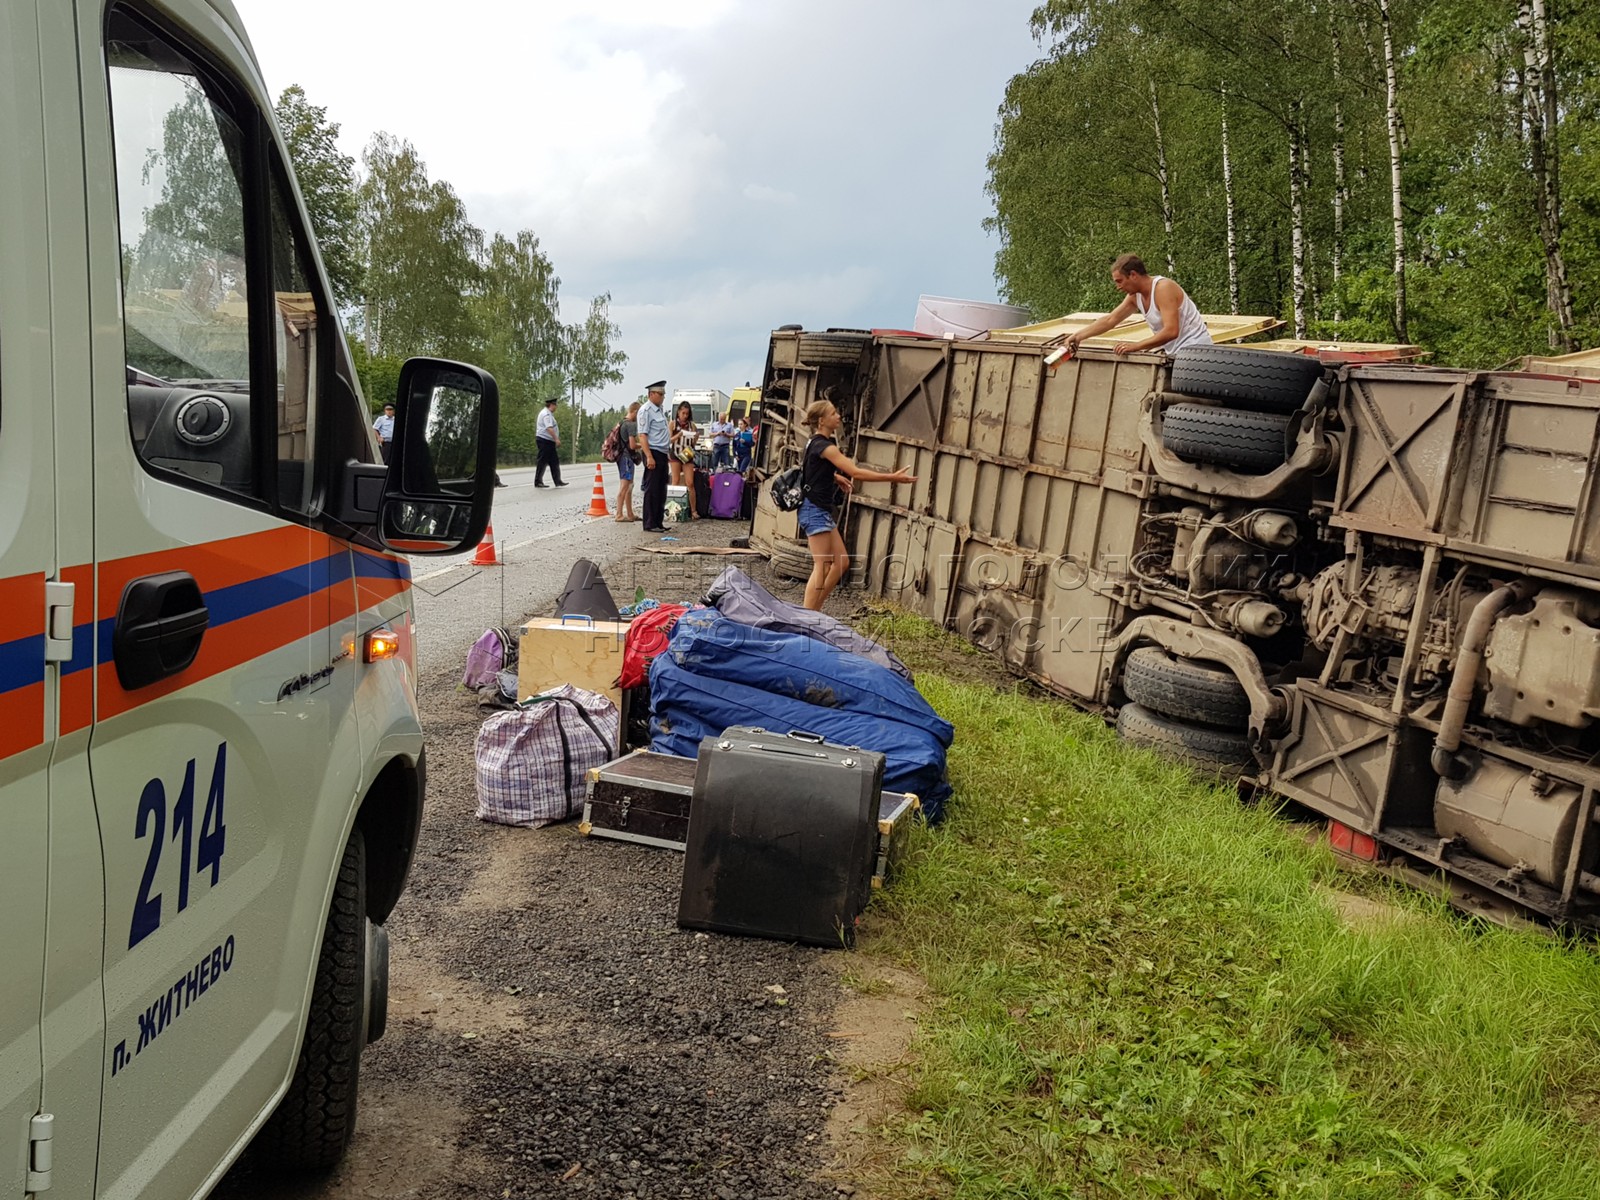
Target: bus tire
column 1266, row 380
column 1213, row 751
column 1250, row 441
column 1186, row 688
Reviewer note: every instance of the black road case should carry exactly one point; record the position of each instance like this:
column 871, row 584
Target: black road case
column 641, row 797
column 782, row 837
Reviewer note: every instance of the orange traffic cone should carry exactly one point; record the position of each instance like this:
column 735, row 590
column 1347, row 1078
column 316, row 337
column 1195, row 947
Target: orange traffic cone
column 485, row 556
column 597, row 498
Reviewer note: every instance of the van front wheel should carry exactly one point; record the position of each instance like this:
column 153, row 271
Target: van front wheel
column 316, row 1119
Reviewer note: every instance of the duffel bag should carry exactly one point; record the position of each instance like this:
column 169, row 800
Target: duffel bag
column 532, row 762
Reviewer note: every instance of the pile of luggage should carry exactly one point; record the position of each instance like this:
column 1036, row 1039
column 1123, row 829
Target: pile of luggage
column 784, row 753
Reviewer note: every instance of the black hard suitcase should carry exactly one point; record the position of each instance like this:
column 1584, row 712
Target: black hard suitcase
column 702, row 492
column 782, row 837
column 641, row 797
column 645, row 797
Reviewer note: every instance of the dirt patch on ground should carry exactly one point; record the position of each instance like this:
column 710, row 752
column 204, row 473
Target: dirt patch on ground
column 876, row 1023
column 1362, row 912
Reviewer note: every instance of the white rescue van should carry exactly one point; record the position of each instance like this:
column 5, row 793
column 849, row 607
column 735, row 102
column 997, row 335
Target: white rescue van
column 211, row 765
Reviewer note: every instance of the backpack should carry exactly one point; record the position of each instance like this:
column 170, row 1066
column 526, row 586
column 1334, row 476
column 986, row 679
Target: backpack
column 648, row 636
column 788, row 489
column 611, row 448
column 492, row 654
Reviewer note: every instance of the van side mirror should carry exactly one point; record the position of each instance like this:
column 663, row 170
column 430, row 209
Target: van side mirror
column 440, row 483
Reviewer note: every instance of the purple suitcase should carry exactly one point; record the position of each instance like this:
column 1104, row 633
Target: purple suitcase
column 727, row 491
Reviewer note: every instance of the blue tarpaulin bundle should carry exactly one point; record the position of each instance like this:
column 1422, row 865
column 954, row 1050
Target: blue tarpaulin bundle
column 717, row 673
column 736, row 595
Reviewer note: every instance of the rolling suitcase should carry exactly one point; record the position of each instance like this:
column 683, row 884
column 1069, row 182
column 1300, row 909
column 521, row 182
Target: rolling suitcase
column 782, row 837
column 727, row 494
column 702, row 492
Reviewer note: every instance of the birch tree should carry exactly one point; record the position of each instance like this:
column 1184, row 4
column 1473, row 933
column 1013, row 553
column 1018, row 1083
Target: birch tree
column 1163, row 178
column 1339, row 186
column 1396, row 195
column 1539, row 99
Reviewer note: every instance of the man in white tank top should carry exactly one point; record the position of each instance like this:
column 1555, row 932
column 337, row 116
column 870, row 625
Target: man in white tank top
column 1174, row 320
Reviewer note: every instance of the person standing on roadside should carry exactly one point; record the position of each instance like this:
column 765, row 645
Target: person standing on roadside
column 722, row 430
column 384, row 428
column 1172, row 316
column 685, row 441
column 547, row 440
column 629, row 437
column 828, row 474
column 655, row 441
column 744, row 442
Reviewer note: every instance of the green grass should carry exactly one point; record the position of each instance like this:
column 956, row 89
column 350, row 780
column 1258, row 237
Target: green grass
column 1139, row 989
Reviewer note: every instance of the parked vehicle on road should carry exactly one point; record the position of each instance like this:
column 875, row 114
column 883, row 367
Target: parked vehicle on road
column 1372, row 588
column 211, row 764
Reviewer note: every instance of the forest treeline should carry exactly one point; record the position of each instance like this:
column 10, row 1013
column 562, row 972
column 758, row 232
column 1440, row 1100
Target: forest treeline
column 412, row 275
column 1423, row 171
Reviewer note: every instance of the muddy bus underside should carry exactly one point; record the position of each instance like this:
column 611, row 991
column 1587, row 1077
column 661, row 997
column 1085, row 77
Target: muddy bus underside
column 1415, row 533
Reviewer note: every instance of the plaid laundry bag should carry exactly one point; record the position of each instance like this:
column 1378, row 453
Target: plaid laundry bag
column 532, row 762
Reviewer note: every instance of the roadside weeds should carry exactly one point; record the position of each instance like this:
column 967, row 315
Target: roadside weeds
column 1138, row 986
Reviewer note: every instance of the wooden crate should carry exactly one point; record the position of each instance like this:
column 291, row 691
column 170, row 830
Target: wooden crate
column 584, row 653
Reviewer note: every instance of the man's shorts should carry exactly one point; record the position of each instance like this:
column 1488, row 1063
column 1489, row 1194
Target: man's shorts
column 815, row 519
column 625, row 467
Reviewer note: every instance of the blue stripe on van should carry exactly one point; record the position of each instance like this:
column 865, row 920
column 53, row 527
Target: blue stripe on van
column 21, row 662
column 251, row 597
column 370, row 566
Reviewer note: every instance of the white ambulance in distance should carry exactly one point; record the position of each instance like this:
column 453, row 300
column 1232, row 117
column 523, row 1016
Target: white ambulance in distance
column 211, row 765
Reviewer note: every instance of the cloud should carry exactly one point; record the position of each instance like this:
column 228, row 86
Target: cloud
column 762, row 194
column 719, row 168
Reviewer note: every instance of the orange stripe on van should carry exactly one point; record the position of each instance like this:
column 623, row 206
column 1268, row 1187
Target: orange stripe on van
column 218, row 564
column 22, row 716
column 221, row 650
column 21, row 606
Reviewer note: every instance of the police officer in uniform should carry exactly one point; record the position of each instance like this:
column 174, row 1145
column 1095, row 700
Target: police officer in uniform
column 547, row 438
column 384, row 428
column 655, row 439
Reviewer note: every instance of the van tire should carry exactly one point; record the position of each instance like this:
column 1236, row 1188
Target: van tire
column 831, row 349
column 1186, row 688
column 1251, row 441
column 1213, row 751
column 313, row 1124
column 1260, row 379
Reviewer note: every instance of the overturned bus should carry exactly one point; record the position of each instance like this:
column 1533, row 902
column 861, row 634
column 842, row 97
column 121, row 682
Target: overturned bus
column 1372, row 588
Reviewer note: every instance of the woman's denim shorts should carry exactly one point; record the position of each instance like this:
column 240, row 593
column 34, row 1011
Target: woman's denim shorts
column 815, row 519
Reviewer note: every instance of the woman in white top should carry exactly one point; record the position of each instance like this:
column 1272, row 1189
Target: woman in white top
column 1174, row 320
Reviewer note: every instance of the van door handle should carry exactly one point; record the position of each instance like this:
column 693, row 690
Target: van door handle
column 161, row 621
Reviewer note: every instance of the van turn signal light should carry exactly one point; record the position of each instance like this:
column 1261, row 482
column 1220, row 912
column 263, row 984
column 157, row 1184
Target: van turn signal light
column 381, row 644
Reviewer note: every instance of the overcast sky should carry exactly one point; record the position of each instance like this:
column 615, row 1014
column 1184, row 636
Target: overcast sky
column 720, row 167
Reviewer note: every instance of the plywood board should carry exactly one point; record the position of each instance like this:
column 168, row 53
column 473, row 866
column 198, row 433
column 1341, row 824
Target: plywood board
column 584, row 655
